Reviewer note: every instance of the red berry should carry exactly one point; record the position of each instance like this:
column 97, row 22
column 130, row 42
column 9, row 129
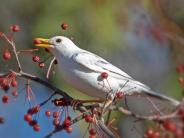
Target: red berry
column 15, row 28
column 64, row 26
column 30, row 111
column 41, row 65
column 5, row 99
column 88, row 118
column 1, row 120
column 104, row 75
column 28, row 118
column 69, row 129
column 36, row 109
column 33, row 122
column 149, row 132
column 36, row 41
column 169, row 125
column 7, row 55
column 36, row 127
column 48, row 113
column 119, row 95
column 179, row 133
column 157, row 134
column 14, row 83
column 56, row 114
column 180, row 69
column 15, row 93
column 56, row 122
column 67, row 122
column 181, row 80
column 1, row 34
column 92, row 136
column 36, row 58
column 92, row 131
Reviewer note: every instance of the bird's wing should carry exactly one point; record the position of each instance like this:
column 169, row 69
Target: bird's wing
column 98, row 64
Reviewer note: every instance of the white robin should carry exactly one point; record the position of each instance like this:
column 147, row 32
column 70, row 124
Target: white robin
column 92, row 74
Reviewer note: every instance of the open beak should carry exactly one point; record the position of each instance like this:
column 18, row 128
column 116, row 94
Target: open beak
column 41, row 42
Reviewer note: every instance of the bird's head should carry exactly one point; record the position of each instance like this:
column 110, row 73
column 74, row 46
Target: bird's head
column 57, row 45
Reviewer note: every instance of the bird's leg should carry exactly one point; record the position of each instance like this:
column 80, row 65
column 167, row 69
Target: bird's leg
column 76, row 102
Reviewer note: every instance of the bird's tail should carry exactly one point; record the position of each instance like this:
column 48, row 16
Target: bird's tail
column 162, row 97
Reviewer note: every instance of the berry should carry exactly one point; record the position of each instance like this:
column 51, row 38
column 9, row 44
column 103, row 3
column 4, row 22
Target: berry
column 157, row 134
column 180, row 69
column 36, row 127
column 7, row 55
column 1, row 34
column 56, row 114
column 168, row 125
column 36, row 58
column 33, row 122
column 1, row 120
column 15, row 93
column 36, row 41
column 92, row 131
column 88, row 118
column 28, row 118
column 30, row 111
column 48, row 113
column 67, row 122
column 15, row 28
column 92, row 136
column 14, row 83
column 5, row 99
column 181, row 80
column 36, row 109
column 119, row 95
column 69, row 129
column 64, row 26
column 149, row 132
column 104, row 75
column 41, row 65
column 56, row 122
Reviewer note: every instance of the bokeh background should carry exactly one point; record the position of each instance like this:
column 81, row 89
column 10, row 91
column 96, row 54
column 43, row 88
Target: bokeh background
column 142, row 37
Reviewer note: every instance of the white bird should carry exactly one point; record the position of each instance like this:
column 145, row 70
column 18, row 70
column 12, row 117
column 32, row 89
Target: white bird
column 84, row 71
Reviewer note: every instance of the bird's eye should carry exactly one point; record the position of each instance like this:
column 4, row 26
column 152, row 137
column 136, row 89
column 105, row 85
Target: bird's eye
column 58, row 40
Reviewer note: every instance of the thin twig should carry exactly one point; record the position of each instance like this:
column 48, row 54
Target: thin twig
column 49, row 69
column 14, row 51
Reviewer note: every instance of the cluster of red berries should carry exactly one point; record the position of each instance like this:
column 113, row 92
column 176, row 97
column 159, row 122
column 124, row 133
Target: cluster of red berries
column 37, row 59
column 5, row 84
column 67, row 124
column 150, row 133
column 29, row 118
column 89, row 118
column 169, row 128
column 56, row 120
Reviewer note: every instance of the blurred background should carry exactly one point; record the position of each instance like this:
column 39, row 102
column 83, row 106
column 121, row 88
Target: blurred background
column 142, row 37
